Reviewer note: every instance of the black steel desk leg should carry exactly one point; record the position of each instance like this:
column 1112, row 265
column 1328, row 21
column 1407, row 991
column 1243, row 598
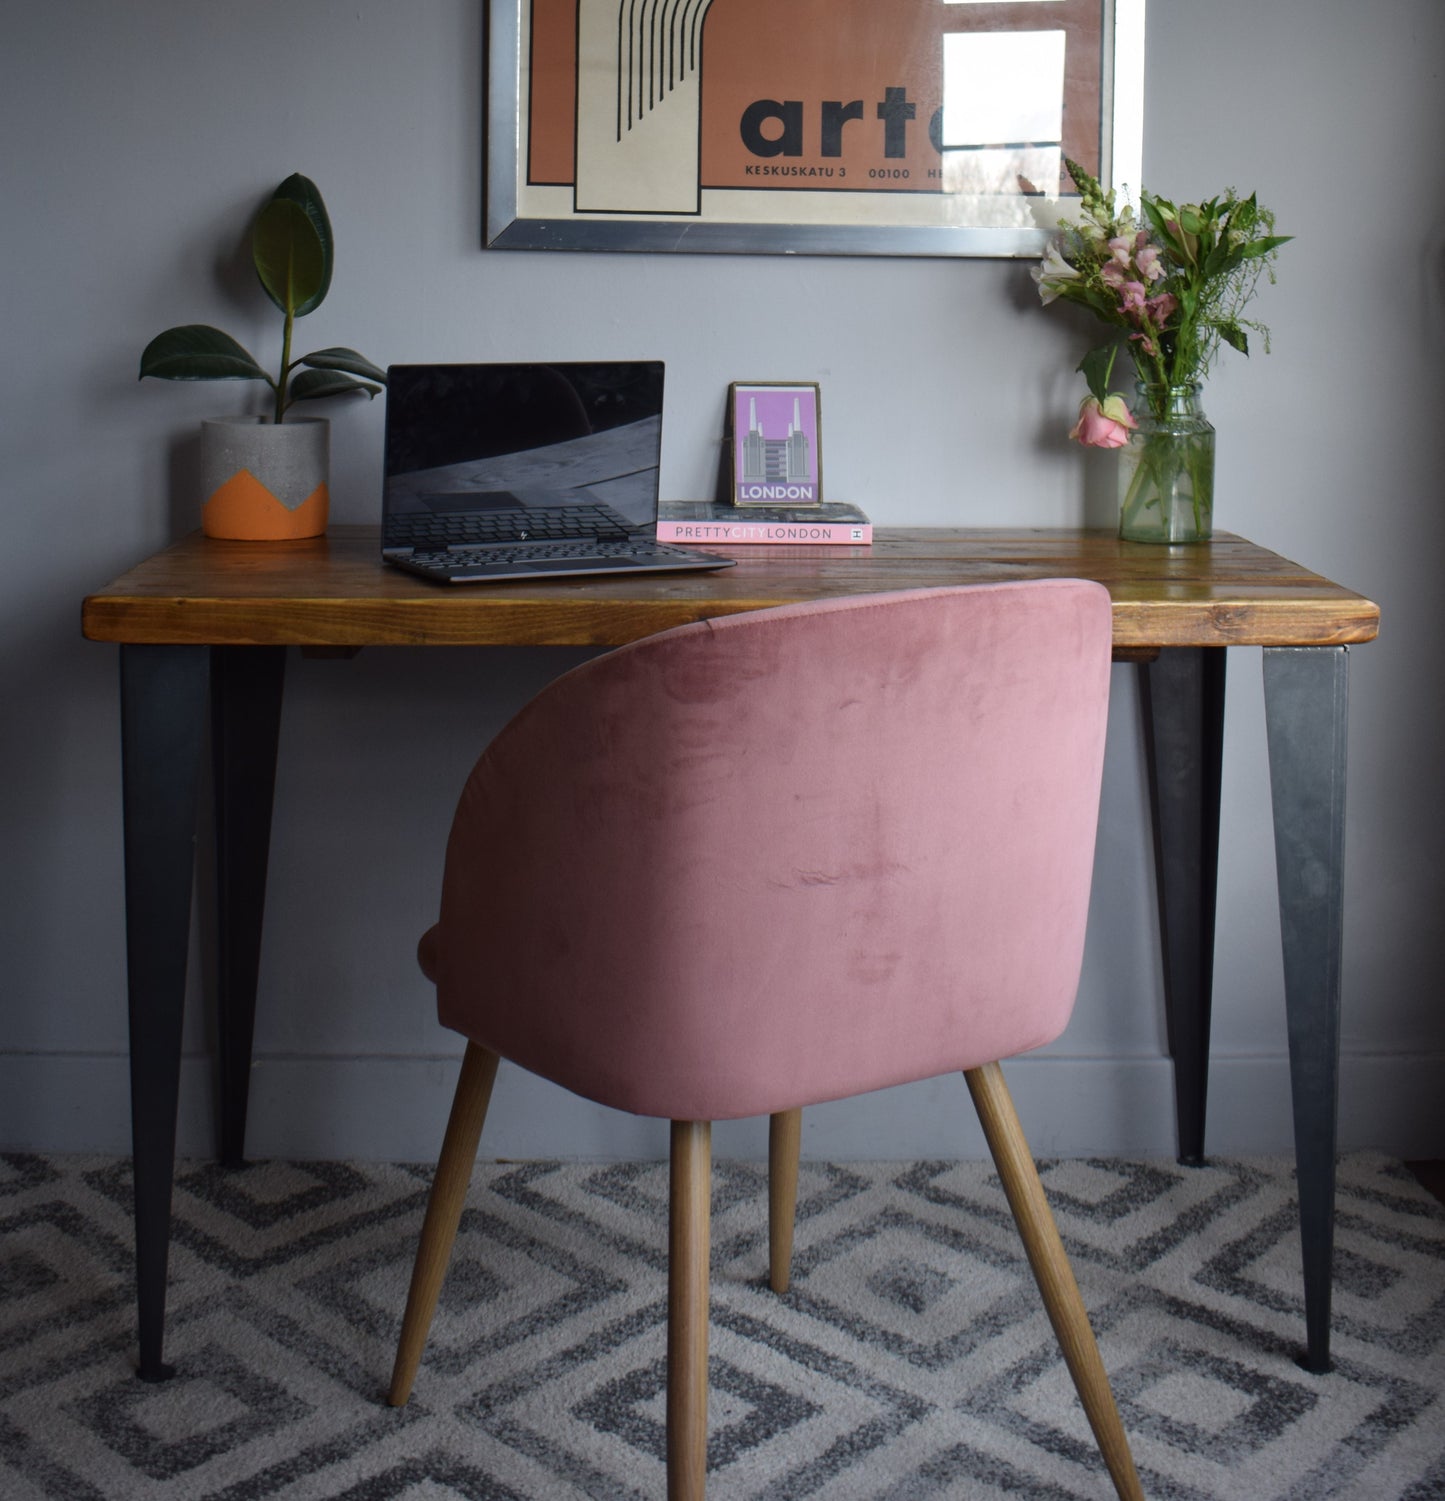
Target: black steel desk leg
column 1306, row 692
column 163, row 704
column 246, row 683
column 1182, row 696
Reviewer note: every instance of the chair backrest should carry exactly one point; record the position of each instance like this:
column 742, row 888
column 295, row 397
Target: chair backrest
column 788, row 855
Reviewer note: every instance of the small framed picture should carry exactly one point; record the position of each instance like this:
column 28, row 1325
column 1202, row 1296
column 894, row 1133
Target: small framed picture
column 775, row 443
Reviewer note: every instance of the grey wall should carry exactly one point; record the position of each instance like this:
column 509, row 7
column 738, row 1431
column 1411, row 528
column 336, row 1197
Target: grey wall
column 138, row 140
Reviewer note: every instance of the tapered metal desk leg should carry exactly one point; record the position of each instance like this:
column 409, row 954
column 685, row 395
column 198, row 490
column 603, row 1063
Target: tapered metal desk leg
column 163, row 701
column 1306, row 699
column 1182, row 696
column 246, row 684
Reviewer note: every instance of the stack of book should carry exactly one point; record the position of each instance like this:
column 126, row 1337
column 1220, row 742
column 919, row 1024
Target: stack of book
column 699, row 522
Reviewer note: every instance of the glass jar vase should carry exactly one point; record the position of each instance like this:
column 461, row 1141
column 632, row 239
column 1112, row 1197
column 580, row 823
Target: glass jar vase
column 1166, row 470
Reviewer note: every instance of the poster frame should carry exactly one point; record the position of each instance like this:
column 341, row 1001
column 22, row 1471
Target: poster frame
column 507, row 228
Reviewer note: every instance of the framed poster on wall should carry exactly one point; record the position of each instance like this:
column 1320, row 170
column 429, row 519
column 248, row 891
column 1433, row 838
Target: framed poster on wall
column 844, row 127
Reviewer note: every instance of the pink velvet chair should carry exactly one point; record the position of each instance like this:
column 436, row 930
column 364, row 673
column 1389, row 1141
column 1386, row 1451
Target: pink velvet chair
column 772, row 859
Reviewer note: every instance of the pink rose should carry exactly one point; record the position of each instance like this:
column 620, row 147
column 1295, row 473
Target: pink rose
column 1103, row 424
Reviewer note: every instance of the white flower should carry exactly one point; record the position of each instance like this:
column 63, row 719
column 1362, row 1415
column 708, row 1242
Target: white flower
column 1054, row 271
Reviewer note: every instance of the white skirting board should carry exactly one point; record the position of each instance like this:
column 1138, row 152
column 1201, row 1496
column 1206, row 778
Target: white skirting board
column 395, row 1108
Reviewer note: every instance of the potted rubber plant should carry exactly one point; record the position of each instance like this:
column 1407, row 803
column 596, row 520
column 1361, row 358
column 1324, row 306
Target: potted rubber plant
column 265, row 478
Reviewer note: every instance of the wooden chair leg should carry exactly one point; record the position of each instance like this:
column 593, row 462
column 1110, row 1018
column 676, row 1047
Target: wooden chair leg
column 443, row 1213
column 687, row 1310
column 1052, row 1272
column 785, row 1137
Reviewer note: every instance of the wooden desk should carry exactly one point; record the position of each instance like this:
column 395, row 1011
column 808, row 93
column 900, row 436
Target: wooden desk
column 211, row 620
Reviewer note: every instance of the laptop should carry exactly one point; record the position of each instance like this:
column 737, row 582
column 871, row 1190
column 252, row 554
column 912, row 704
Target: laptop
column 525, row 471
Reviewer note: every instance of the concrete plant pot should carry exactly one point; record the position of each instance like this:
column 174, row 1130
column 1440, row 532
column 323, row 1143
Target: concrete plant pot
column 265, row 481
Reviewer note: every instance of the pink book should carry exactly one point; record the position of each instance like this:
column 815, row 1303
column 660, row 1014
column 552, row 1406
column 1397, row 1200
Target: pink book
column 699, row 522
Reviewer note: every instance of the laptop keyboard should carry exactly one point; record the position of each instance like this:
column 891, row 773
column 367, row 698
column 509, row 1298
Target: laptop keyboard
column 581, row 549
column 535, row 524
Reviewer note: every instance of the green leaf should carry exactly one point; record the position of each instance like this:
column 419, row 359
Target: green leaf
column 1263, row 247
column 311, row 384
column 344, row 359
column 301, row 190
column 1234, row 336
column 1221, row 261
column 289, row 255
column 196, row 351
column 1097, row 367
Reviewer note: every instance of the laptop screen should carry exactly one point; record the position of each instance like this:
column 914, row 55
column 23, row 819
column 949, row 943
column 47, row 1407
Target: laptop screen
column 473, row 444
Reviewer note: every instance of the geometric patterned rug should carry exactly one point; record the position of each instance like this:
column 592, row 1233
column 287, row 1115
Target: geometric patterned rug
column 910, row 1361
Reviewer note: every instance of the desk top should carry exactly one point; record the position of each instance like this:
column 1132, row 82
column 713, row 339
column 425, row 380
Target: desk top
column 335, row 591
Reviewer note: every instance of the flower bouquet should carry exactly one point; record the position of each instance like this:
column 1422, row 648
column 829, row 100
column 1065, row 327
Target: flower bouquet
column 1176, row 286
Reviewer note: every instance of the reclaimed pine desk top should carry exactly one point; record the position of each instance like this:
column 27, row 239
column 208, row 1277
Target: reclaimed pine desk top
column 334, row 591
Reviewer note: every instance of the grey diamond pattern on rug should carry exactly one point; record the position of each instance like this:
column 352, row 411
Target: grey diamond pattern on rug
column 911, row 1359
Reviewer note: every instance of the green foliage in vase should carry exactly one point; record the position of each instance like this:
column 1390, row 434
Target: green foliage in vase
column 292, row 250
column 1175, row 284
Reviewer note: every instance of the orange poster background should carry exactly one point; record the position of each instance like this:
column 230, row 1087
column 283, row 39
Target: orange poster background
column 552, row 75
column 811, row 51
